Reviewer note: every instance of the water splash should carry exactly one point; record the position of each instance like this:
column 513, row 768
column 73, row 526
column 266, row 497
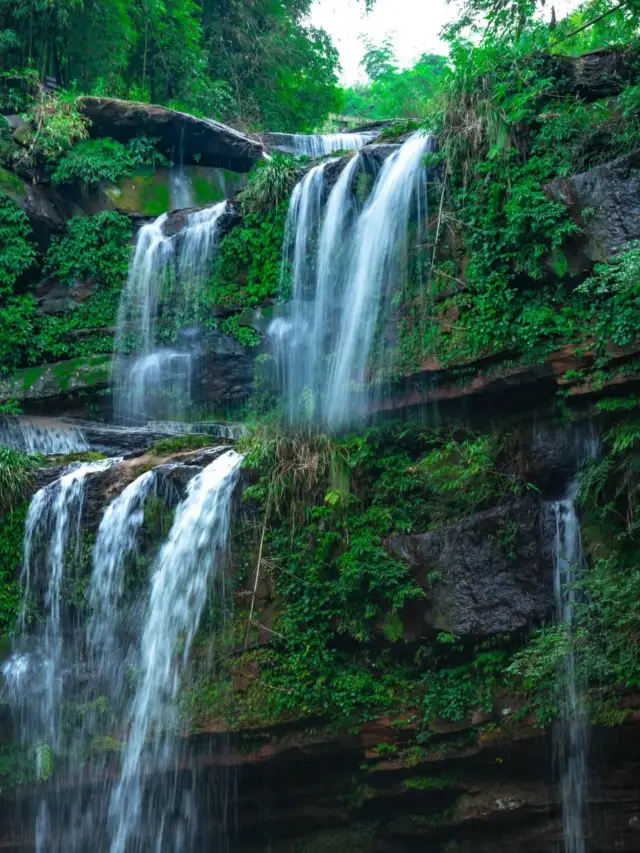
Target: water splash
column 153, row 381
column 571, row 733
column 186, row 567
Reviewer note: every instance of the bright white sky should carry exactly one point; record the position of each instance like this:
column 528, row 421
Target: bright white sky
column 413, row 24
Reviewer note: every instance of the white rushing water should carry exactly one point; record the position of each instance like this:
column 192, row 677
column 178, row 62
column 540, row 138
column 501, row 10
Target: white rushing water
column 346, row 265
column 319, row 145
column 571, row 733
column 116, row 540
column 185, row 570
column 41, row 435
column 38, row 673
column 154, row 354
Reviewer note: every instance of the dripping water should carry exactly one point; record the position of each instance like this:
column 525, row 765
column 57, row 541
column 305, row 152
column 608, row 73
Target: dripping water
column 180, row 187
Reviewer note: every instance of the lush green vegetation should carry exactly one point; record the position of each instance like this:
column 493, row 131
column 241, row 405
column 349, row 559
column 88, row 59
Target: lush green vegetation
column 260, row 63
column 502, row 277
column 393, row 92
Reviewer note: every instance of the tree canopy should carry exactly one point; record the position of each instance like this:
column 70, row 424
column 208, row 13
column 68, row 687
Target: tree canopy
column 259, row 64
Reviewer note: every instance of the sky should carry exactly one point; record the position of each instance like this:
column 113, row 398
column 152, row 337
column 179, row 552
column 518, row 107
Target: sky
column 413, row 24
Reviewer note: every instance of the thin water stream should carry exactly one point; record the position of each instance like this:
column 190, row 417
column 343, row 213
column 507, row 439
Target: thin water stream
column 571, row 732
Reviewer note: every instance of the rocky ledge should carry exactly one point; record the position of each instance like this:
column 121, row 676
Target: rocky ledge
column 203, row 141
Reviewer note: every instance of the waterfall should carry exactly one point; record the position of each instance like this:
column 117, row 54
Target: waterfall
column 38, row 673
column 185, row 570
column 571, row 733
column 115, row 542
column 154, row 353
column 180, row 188
column 319, row 145
column 345, row 269
column 41, row 436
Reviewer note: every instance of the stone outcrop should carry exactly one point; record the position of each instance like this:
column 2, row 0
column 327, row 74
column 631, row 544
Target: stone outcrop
column 605, row 203
column 490, row 573
column 204, row 142
column 591, row 76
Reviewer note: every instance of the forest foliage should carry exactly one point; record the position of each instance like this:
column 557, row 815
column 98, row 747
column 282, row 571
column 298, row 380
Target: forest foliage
column 259, row 64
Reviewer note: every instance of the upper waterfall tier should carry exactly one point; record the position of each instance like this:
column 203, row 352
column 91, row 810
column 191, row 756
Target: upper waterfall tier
column 346, row 260
column 318, row 145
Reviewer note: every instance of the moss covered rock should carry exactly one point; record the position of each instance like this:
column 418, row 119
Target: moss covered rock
column 147, row 192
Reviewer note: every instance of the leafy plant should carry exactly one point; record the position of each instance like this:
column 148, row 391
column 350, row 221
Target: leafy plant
column 94, row 160
column 270, row 183
column 16, row 477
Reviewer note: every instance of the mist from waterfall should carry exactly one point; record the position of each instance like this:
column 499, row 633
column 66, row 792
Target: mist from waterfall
column 346, row 261
column 571, row 731
column 155, row 354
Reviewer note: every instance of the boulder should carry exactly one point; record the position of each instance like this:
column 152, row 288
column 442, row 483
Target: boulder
column 202, row 142
column 605, row 203
column 45, row 209
column 598, row 74
column 490, row 573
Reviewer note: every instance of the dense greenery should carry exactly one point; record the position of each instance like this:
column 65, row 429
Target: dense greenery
column 393, row 92
column 258, row 63
column 502, row 278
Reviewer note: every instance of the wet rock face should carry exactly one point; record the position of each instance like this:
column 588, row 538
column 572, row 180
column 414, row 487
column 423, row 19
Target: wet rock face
column 205, row 142
column 605, row 202
column 490, row 573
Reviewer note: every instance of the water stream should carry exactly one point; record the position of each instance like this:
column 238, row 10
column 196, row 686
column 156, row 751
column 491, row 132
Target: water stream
column 571, row 732
column 319, row 145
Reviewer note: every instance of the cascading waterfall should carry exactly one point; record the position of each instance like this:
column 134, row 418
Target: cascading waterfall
column 115, row 542
column 319, row 145
column 185, row 569
column 41, row 436
column 66, row 666
column 342, row 280
column 42, row 666
column 571, row 734
column 379, row 263
column 154, row 353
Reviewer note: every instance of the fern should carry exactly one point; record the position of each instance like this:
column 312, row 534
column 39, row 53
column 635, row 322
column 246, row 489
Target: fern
column 44, row 762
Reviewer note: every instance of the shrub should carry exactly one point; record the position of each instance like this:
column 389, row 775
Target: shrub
column 270, row 182
column 94, row 160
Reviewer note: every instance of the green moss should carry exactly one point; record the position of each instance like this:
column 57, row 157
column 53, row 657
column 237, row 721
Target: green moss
column 182, row 442
column 204, row 191
column 146, row 192
column 88, row 371
column 30, row 376
column 11, row 183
